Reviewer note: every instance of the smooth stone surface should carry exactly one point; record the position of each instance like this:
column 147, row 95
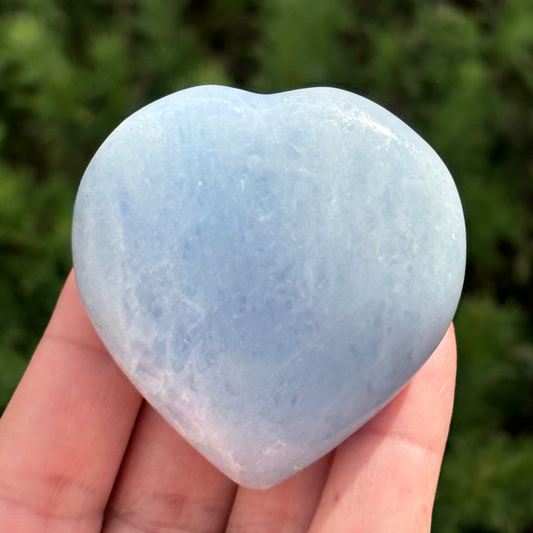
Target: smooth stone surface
column 268, row 270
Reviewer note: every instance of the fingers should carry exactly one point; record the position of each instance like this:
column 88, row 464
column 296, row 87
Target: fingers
column 63, row 437
column 64, row 433
column 384, row 477
column 166, row 485
column 286, row 508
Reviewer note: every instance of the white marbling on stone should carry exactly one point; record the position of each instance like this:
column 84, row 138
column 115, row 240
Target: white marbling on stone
column 269, row 270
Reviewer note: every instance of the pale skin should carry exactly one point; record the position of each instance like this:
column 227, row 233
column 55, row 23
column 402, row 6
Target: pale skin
column 81, row 452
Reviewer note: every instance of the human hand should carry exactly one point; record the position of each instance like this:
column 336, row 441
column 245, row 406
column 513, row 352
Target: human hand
column 81, row 452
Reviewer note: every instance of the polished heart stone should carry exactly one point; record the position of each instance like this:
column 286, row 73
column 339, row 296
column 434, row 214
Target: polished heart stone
column 270, row 270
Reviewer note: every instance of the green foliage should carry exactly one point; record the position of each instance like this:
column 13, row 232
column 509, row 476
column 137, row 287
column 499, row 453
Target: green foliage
column 34, row 260
column 493, row 481
column 459, row 71
column 301, row 46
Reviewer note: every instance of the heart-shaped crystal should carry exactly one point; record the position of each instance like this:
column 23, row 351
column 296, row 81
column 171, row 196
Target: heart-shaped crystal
column 268, row 270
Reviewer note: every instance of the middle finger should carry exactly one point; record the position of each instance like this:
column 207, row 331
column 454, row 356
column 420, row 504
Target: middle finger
column 164, row 484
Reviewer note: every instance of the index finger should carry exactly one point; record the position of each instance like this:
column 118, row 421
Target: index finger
column 64, row 433
column 384, row 477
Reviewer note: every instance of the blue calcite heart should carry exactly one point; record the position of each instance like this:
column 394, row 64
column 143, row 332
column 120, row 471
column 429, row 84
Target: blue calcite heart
column 270, row 270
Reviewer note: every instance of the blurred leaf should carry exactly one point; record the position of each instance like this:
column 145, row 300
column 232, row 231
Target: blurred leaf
column 486, row 485
column 301, row 46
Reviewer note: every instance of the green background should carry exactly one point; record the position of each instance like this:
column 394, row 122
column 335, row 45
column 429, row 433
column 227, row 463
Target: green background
column 459, row 72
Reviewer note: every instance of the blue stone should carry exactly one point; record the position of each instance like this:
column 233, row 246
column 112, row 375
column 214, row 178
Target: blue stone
column 268, row 270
